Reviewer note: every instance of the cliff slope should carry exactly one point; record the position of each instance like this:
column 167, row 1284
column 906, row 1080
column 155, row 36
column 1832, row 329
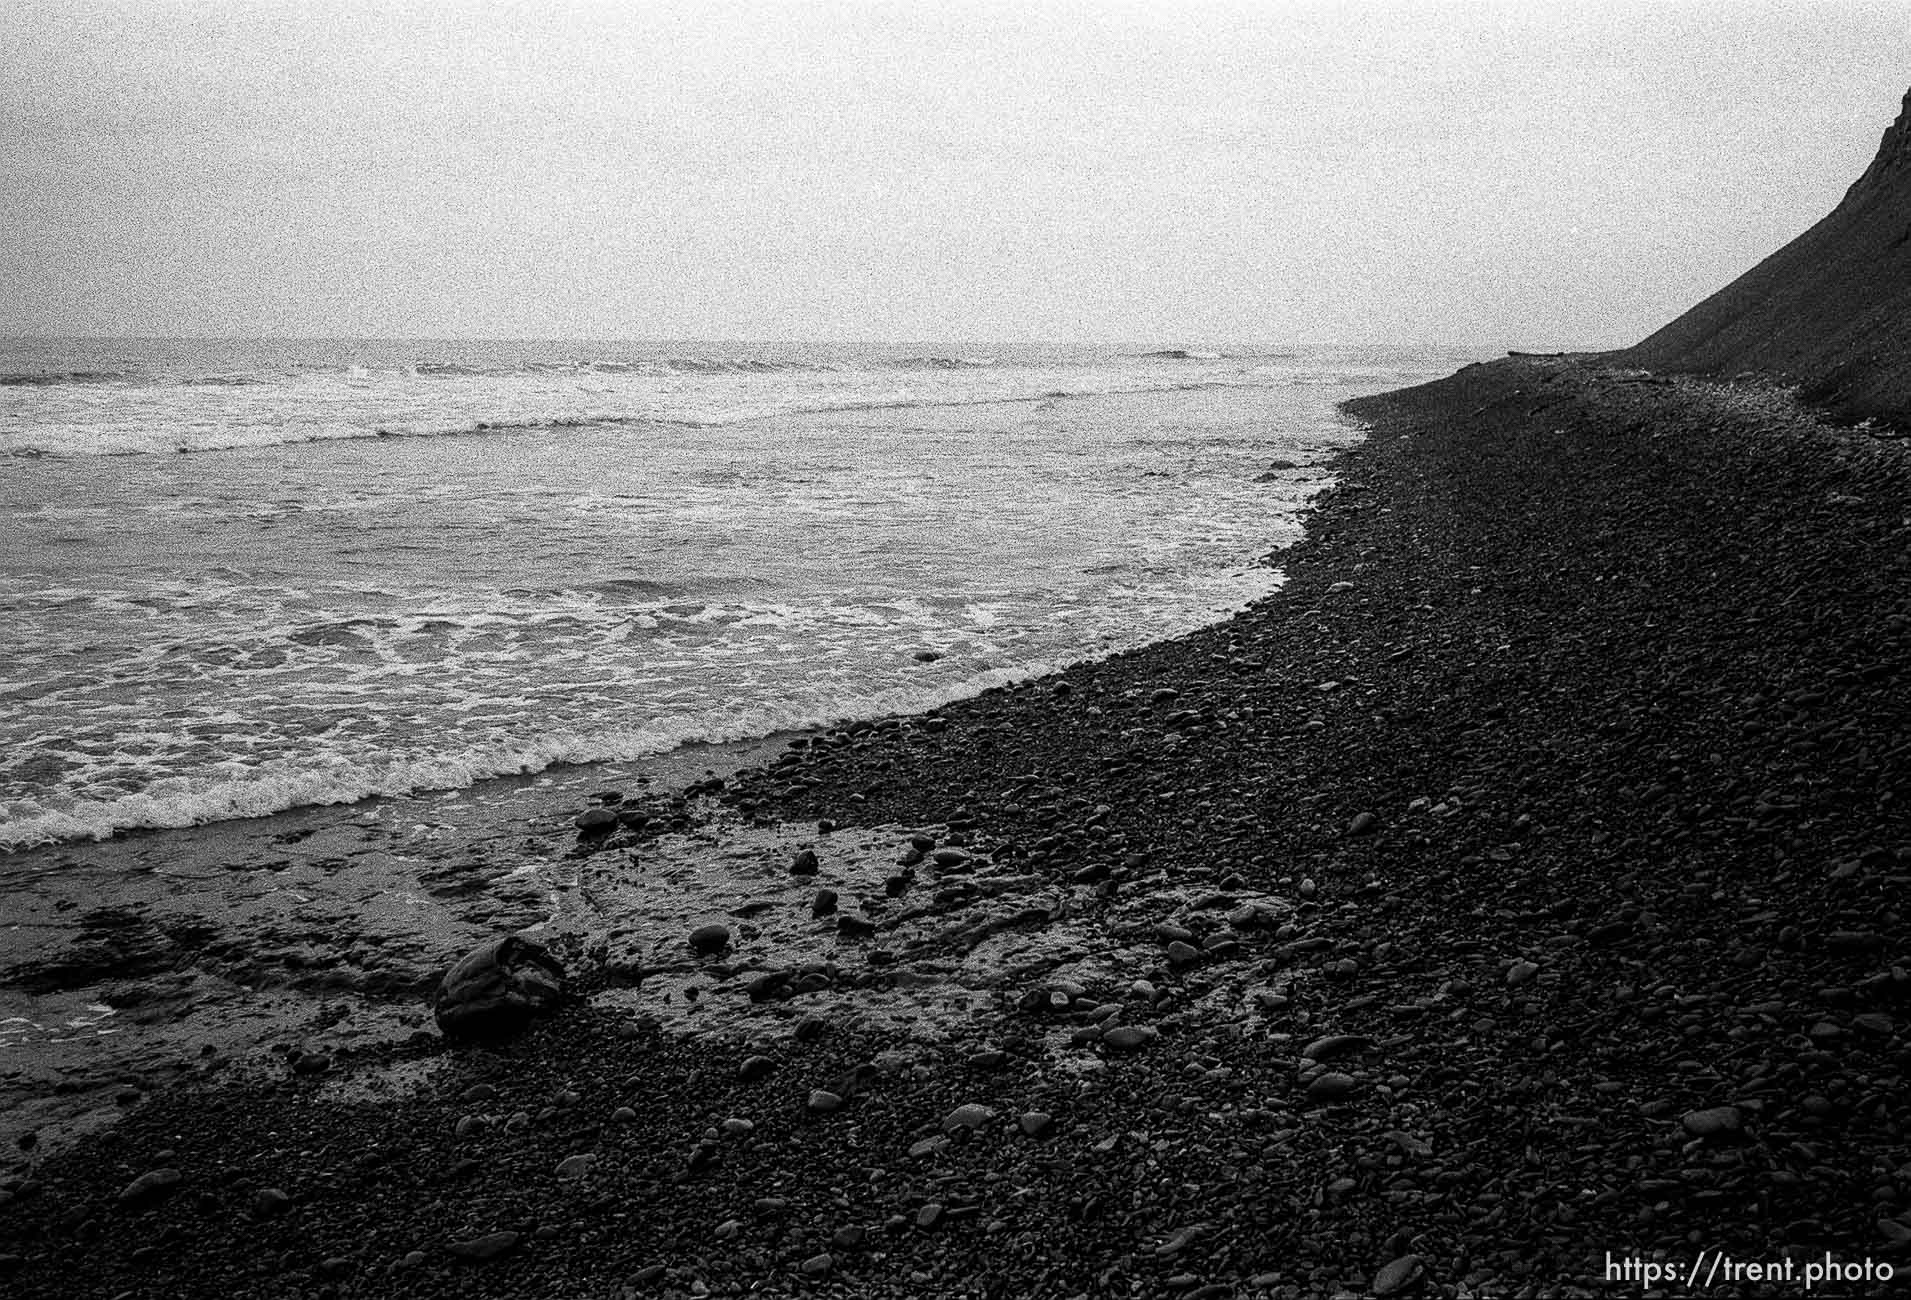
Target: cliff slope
column 1829, row 311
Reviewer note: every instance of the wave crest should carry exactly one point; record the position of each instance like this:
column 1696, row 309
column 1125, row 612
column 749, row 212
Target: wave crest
column 282, row 784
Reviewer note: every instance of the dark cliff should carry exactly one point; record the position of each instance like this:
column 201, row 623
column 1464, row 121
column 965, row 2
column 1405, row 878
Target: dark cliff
column 1830, row 311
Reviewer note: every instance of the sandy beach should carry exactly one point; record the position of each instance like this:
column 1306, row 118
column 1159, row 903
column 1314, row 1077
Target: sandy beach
column 1518, row 889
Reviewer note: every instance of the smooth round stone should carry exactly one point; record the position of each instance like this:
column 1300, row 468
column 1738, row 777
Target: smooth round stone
column 708, row 939
column 1399, row 1276
column 1034, row 1123
column 1334, row 1046
column 1127, row 1038
column 1331, row 1087
column 974, row 1115
column 596, row 821
column 822, row 1102
column 1715, row 1122
column 151, row 1186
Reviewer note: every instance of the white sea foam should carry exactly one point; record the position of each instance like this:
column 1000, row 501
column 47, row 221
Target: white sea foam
column 196, row 638
column 311, row 780
column 175, row 407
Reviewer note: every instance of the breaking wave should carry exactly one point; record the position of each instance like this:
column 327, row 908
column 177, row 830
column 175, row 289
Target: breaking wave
column 285, row 783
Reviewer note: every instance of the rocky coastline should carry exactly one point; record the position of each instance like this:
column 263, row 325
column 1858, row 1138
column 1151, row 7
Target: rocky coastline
column 1519, row 889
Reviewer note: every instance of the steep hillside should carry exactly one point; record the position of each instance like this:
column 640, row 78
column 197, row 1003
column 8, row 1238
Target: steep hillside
column 1828, row 311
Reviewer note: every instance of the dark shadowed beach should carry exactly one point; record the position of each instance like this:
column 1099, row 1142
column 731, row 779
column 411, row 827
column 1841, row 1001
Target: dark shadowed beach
column 1516, row 891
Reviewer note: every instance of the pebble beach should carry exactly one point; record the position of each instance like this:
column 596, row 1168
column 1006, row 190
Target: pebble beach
column 1518, row 890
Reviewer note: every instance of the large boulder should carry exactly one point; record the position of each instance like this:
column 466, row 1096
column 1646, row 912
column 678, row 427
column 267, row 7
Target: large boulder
column 497, row 988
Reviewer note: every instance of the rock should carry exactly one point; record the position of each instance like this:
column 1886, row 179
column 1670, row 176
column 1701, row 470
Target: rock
column 1330, row 1088
column 818, row 1265
column 1183, row 954
column 596, row 821
column 761, row 988
column 822, row 1101
column 805, row 864
column 1127, row 1038
column 1612, row 932
column 971, row 1116
column 949, row 857
column 150, row 1187
column 1715, row 1122
column 824, row 903
column 1034, row 1123
column 755, row 1067
column 851, row 1237
column 575, row 1166
column 1854, row 942
column 1399, row 1276
column 269, row 1203
column 496, row 990
column 623, row 1115
column 1521, row 972
column 480, row 1250
column 1363, row 824
column 1334, row 1046
column 311, row 1063
column 708, row 940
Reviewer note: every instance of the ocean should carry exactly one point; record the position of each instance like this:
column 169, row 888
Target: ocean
column 244, row 576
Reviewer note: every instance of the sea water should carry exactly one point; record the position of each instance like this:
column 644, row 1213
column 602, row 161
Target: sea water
column 238, row 577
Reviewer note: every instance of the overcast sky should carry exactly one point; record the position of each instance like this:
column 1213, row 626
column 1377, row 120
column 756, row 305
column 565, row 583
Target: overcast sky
column 1528, row 174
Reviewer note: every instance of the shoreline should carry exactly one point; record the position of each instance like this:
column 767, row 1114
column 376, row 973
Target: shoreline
column 966, row 655
column 1517, row 883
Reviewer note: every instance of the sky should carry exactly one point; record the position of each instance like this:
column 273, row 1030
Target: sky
column 1527, row 174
